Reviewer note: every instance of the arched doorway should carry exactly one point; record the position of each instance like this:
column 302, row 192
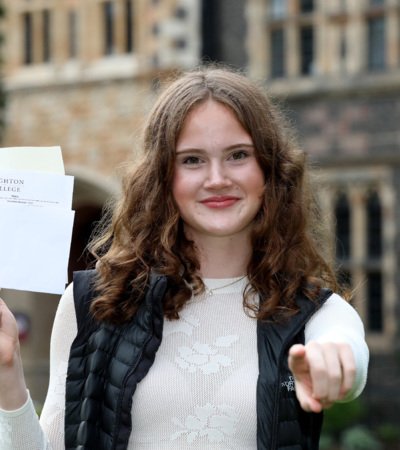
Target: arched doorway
column 90, row 197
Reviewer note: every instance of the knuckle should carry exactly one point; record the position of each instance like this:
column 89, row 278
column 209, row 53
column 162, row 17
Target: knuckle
column 313, row 345
column 320, row 371
column 336, row 377
column 351, row 369
column 343, row 346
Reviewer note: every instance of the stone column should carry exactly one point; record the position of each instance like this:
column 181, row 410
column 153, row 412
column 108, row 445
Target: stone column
column 357, row 247
column 387, row 197
column 257, row 39
column 392, row 36
column 323, row 42
column 91, row 38
column 356, row 39
column 13, row 49
column 59, row 34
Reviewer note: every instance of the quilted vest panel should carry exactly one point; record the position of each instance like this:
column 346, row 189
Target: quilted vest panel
column 106, row 363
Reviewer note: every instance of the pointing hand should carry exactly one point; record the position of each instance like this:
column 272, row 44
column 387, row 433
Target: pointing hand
column 324, row 372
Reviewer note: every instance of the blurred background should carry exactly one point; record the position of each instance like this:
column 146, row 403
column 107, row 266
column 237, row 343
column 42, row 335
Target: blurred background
column 83, row 74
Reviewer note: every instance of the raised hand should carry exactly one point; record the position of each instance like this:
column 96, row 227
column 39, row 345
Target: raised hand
column 12, row 384
column 8, row 335
column 324, row 372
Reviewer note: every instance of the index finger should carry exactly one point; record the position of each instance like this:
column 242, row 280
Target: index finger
column 297, row 358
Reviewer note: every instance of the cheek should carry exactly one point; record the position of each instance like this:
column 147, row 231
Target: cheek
column 179, row 189
column 257, row 182
column 258, row 189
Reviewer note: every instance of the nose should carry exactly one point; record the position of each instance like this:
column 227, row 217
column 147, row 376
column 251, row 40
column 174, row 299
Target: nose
column 217, row 176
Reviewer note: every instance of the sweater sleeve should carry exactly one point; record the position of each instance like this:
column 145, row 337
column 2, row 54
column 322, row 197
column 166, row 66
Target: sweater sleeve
column 338, row 321
column 21, row 429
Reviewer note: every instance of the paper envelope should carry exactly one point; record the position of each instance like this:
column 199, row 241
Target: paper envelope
column 35, row 159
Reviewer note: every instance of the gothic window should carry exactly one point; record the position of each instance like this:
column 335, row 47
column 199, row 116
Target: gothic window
column 36, row 36
column 306, row 49
column 366, row 268
column 343, row 237
column 306, row 6
column 223, row 25
column 284, row 18
column 72, row 34
column 376, row 43
column 46, row 35
column 210, row 36
column 374, row 298
column 373, row 263
column 277, row 53
column 27, row 23
column 278, row 9
column 342, row 219
column 129, row 42
column 108, row 24
column 343, row 45
column 117, row 27
column 374, row 226
column 365, row 249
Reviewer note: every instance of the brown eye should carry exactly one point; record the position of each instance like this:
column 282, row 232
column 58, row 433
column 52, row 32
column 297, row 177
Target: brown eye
column 240, row 154
column 190, row 160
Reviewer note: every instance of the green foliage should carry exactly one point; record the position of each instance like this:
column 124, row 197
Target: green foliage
column 38, row 407
column 343, row 415
column 326, row 442
column 388, row 433
column 359, row 438
column 344, row 428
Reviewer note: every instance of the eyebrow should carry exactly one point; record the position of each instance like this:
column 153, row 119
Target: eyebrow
column 226, row 149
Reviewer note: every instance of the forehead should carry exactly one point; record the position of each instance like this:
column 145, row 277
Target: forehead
column 212, row 122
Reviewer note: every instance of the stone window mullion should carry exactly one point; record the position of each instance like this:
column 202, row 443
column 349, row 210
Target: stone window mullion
column 292, row 50
column 392, row 36
column 358, row 246
column 389, row 257
column 326, row 202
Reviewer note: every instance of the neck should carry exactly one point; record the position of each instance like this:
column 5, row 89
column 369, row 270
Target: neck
column 223, row 257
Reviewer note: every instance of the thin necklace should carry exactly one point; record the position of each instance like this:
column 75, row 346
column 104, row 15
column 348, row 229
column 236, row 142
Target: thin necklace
column 211, row 291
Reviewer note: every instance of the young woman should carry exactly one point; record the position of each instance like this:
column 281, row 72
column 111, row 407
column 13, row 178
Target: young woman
column 209, row 321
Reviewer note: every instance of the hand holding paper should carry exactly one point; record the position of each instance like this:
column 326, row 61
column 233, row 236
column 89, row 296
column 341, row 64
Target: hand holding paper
column 35, row 220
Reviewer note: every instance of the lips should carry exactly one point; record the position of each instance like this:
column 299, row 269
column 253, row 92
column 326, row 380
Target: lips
column 223, row 201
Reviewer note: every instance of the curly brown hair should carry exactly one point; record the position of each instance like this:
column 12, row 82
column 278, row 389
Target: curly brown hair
column 145, row 231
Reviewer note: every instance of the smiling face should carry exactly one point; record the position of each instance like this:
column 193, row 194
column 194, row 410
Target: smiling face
column 218, row 184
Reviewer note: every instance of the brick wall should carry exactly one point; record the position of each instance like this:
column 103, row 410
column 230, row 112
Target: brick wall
column 349, row 126
column 96, row 124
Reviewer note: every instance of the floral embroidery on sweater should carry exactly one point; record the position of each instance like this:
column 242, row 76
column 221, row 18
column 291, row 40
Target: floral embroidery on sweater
column 206, row 358
column 213, row 422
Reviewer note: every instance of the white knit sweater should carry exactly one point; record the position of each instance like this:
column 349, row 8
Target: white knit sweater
column 201, row 390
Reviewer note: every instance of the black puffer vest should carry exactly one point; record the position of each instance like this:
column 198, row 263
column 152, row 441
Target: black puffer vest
column 106, row 363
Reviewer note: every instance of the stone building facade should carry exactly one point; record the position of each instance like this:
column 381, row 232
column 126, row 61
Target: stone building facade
column 82, row 74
